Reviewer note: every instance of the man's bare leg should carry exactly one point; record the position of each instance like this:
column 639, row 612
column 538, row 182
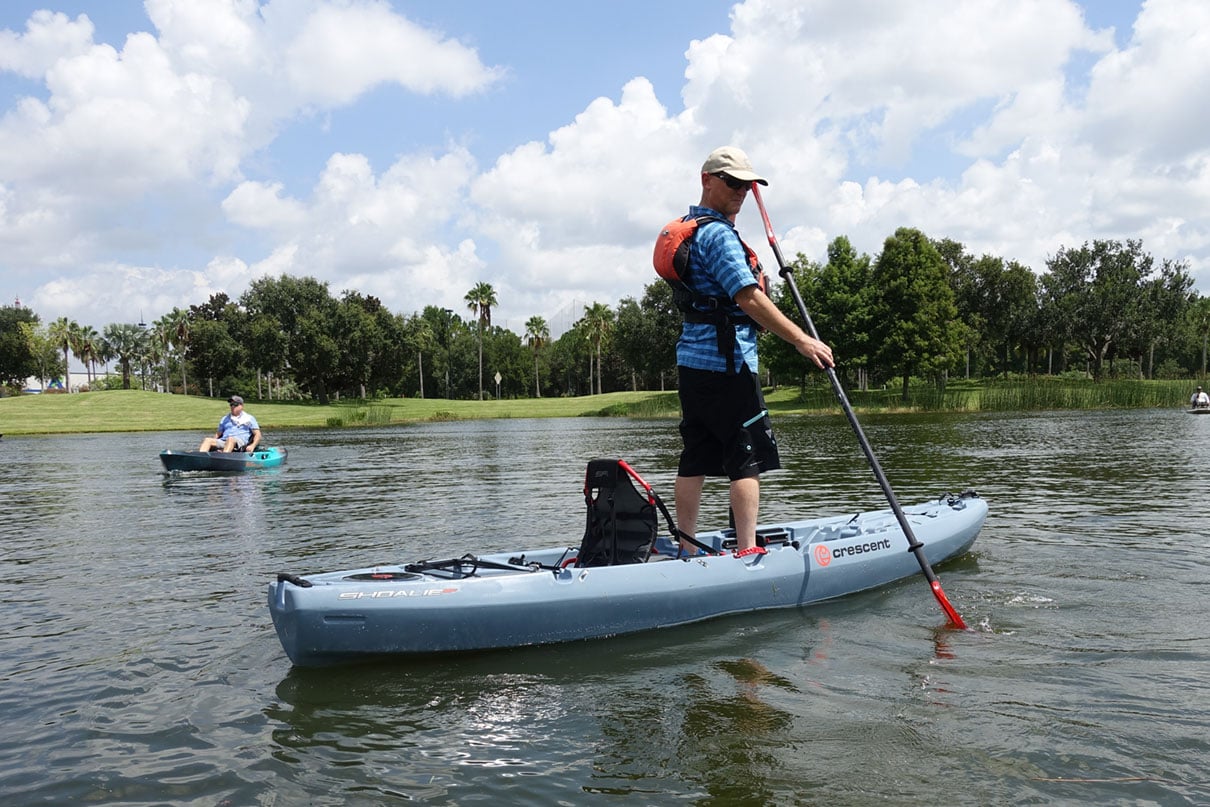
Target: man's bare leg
column 745, row 504
column 688, row 494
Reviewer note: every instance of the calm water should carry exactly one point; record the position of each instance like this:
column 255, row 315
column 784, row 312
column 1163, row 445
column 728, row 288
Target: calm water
column 138, row 664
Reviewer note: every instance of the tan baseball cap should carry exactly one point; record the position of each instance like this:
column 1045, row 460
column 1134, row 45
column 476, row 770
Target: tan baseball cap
column 733, row 162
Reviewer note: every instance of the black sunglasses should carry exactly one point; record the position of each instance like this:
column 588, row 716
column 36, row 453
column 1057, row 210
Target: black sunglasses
column 733, row 183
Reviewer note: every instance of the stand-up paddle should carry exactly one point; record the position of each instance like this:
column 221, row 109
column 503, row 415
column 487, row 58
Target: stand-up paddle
column 914, row 545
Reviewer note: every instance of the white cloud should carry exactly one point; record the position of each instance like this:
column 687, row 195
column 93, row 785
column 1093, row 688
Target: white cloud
column 577, row 219
column 1013, row 127
column 814, row 91
column 121, row 123
column 260, row 206
column 126, row 292
column 379, row 235
column 810, row 90
column 341, row 51
column 48, row 38
column 1149, row 97
column 176, row 115
column 217, row 37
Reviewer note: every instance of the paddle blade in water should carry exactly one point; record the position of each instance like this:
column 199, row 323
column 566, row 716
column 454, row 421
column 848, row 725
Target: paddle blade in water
column 945, row 605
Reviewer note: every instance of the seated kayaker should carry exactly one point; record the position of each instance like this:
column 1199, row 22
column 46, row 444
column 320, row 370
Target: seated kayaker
column 1200, row 400
column 237, row 431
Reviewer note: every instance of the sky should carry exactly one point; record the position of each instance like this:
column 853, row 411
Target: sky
column 153, row 154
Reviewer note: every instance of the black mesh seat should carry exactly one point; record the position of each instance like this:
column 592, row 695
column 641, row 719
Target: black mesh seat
column 622, row 520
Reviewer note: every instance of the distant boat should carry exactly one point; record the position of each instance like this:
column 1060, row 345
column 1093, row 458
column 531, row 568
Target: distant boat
column 1199, row 410
column 262, row 457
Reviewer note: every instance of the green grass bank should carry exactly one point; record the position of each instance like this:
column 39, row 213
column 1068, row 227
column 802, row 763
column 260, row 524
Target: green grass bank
column 136, row 410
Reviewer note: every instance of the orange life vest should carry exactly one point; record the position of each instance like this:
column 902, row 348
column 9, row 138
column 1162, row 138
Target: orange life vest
column 671, row 261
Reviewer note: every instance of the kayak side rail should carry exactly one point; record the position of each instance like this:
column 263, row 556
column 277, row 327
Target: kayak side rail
column 469, row 565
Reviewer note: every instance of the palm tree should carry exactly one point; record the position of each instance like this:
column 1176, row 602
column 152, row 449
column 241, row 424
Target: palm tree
column 128, row 342
column 480, row 300
column 179, row 319
column 88, row 350
column 105, row 354
column 598, row 322
column 79, row 347
column 161, row 334
column 536, row 333
column 153, row 354
column 422, row 337
column 61, row 331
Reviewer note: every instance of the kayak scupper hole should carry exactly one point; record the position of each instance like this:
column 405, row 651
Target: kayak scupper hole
column 344, row 619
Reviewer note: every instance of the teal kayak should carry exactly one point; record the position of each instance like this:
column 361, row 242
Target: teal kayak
column 543, row 596
column 262, row 457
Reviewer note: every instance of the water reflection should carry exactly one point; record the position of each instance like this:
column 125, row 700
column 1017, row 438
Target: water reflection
column 236, row 501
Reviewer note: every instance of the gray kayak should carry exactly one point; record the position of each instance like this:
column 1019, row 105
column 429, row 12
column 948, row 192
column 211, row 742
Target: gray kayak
column 541, row 596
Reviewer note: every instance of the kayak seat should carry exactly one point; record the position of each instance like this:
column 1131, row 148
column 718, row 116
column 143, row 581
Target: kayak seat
column 621, row 521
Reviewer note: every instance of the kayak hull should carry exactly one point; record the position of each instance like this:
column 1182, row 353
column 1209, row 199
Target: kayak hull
column 235, row 461
column 541, row 597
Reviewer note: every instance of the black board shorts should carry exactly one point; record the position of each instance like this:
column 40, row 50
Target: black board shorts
column 725, row 425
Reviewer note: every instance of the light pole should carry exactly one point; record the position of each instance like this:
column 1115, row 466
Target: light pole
column 143, row 355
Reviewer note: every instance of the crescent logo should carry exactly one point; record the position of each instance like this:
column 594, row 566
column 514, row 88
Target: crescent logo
column 823, row 555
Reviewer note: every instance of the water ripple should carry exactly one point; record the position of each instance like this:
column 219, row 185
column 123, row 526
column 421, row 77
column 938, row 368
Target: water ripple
column 140, row 666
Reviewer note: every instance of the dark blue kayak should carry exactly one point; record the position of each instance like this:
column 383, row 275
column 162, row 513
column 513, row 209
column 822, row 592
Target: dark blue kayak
column 263, row 457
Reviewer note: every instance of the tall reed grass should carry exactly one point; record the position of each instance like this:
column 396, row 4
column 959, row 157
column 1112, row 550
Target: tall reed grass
column 378, row 415
column 921, row 398
column 1014, row 395
column 1042, row 393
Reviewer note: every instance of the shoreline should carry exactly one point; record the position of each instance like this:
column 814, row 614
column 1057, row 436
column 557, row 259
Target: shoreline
column 134, row 411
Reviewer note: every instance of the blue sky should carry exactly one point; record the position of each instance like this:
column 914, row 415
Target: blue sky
column 152, row 154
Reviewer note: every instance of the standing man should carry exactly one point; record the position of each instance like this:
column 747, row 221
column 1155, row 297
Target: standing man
column 237, row 431
column 724, row 423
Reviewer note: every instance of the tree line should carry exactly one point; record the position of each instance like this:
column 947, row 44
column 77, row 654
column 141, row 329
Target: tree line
column 921, row 310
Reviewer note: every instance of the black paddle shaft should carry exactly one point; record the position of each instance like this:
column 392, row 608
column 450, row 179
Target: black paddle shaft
column 914, row 544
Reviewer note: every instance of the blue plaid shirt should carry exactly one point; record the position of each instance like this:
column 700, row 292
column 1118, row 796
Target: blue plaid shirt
column 718, row 267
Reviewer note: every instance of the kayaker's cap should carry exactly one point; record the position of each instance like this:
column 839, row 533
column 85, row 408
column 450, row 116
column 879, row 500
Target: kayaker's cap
column 235, row 399
column 733, row 162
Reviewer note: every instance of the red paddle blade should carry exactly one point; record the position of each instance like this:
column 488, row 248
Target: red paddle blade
column 945, row 606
